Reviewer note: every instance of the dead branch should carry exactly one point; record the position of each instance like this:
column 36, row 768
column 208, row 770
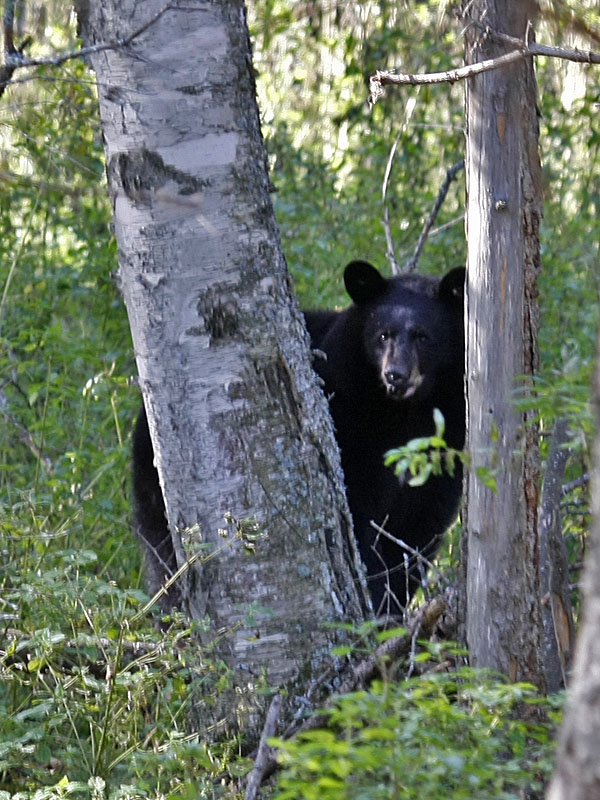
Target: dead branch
column 522, row 50
column 406, row 547
column 422, row 625
column 14, row 58
column 451, row 174
column 390, row 254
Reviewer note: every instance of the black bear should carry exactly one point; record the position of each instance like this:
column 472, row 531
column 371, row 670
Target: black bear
column 150, row 522
column 387, row 362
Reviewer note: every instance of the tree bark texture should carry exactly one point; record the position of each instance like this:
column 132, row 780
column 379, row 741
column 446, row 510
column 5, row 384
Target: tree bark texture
column 504, row 208
column 577, row 775
column 239, row 427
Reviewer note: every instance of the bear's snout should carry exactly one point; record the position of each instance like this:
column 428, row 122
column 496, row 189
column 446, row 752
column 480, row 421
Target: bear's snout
column 400, row 384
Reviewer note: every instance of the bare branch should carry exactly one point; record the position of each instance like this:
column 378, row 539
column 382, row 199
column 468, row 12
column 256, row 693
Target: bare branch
column 384, row 78
column 406, row 547
column 390, row 255
column 14, row 59
column 522, row 50
column 451, row 174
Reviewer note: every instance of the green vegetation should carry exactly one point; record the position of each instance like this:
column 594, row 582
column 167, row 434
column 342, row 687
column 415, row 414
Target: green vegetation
column 91, row 690
column 439, row 735
column 93, row 698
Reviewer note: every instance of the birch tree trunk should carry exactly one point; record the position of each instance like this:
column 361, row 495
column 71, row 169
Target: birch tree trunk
column 240, row 430
column 577, row 775
column 504, row 208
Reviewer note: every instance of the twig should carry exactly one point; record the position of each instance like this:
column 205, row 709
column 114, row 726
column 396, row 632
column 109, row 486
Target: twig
column 14, row 59
column 522, row 50
column 265, row 754
column 390, row 255
column 406, row 547
column 451, row 174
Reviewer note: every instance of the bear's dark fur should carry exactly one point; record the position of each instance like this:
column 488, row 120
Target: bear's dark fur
column 386, row 362
column 391, row 358
column 150, row 522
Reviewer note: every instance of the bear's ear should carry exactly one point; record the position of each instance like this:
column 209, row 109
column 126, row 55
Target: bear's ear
column 452, row 286
column 363, row 282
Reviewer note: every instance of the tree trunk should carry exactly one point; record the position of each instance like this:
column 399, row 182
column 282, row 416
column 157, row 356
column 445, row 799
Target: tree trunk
column 503, row 214
column 241, row 433
column 577, row 775
column 557, row 614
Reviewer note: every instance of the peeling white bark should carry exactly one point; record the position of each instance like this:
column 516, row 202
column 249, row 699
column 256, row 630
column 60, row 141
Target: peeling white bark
column 237, row 422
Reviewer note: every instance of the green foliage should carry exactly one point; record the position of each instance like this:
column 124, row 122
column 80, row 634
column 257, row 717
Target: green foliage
column 425, row 456
column 440, row 735
column 84, row 713
column 328, row 151
column 90, row 690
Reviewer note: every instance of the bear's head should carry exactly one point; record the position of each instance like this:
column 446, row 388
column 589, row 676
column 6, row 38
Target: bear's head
column 412, row 327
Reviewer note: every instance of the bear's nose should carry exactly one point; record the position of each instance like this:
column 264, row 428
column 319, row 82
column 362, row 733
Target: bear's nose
column 396, row 379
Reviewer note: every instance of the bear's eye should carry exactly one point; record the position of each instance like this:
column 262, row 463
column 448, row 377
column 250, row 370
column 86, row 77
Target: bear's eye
column 419, row 335
column 384, row 336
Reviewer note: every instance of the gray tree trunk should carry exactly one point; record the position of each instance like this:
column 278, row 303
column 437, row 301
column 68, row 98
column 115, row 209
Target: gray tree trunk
column 504, row 208
column 577, row 775
column 240, row 430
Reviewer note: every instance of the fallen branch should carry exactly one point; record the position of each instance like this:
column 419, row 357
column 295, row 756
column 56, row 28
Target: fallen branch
column 265, row 754
column 422, row 624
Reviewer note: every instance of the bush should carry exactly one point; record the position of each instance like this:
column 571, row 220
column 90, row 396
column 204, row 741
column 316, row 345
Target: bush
column 458, row 735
